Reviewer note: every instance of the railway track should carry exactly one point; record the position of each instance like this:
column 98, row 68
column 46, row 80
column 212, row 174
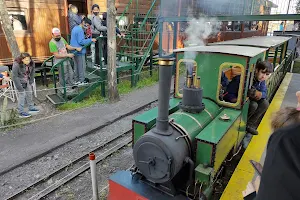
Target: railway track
column 66, row 173
column 49, row 182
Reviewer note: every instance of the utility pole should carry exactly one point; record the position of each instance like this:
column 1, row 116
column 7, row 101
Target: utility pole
column 6, row 24
column 113, row 93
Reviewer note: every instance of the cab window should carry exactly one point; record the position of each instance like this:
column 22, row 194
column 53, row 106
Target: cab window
column 231, row 79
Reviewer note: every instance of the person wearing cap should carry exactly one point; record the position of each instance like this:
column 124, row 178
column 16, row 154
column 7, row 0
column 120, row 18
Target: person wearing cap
column 78, row 40
column 97, row 29
column 58, row 47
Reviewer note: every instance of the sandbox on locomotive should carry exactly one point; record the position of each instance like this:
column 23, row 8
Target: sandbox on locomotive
column 180, row 146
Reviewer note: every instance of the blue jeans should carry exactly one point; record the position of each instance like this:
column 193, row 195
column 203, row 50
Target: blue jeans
column 247, row 140
column 26, row 95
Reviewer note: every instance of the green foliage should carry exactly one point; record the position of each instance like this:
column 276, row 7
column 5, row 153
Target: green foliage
column 124, row 87
column 95, row 97
column 298, row 7
column 7, row 117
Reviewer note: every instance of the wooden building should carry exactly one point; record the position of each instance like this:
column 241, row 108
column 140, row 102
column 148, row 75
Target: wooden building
column 33, row 21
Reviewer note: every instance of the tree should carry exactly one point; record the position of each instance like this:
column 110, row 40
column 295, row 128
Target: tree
column 8, row 30
column 113, row 93
column 298, row 7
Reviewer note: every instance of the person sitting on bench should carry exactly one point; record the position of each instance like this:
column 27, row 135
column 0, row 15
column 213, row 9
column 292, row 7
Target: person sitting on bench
column 258, row 95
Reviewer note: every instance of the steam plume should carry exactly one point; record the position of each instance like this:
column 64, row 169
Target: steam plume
column 198, row 31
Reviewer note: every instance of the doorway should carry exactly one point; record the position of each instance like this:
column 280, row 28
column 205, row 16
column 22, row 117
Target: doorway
column 81, row 5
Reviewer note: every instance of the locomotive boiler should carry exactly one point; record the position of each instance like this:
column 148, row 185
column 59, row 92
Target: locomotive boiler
column 179, row 147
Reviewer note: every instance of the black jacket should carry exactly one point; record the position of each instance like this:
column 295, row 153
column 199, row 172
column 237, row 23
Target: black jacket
column 18, row 74
column 280, row 178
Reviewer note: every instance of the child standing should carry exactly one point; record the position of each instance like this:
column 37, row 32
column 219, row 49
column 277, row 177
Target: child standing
column 23, row 78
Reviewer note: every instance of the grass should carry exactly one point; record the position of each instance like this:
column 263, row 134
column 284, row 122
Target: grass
column 124, row 87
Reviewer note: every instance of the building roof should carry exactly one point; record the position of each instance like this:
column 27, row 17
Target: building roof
column 260, row 41
column 233, row 50
column 288, row 35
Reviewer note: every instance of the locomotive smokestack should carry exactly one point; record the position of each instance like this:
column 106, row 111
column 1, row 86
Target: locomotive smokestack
column 165, row 77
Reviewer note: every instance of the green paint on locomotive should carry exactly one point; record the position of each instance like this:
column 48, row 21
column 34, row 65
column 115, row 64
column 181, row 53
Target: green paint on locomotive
column 141, row 124
column 222, row 136
column 218, row 138
column 191, row 123
column 243, row 123
column 208, row 68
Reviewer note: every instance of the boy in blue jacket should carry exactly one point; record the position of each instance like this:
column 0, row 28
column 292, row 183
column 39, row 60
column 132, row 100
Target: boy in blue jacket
column 258, row 95
column 78, row 40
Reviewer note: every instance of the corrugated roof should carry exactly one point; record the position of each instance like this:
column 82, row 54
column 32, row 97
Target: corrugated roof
column 233, row 50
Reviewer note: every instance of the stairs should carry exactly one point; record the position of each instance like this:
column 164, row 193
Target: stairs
column 62, row 93
column 134, row 50
column 137, row 46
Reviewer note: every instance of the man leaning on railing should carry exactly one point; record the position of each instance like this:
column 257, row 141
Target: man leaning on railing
column 78, row 40
column 58, row 46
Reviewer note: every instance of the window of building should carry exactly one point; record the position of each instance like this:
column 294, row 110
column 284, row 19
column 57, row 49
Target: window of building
column 18, row 20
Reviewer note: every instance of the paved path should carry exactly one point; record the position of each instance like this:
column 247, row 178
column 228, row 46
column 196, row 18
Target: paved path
column 21, row 145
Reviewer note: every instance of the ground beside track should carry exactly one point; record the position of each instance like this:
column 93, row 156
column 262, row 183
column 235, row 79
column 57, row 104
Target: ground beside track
column 25, row 175
column 33, row 140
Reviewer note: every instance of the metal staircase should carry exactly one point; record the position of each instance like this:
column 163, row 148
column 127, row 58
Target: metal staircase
column 133, row 51
column 62, row 93
column 137, row 46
